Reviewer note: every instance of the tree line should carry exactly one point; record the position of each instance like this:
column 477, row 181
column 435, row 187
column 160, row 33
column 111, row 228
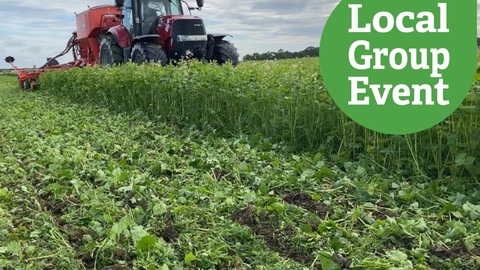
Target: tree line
column 282, row 54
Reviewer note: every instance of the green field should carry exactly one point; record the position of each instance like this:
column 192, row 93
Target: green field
column 208, row 167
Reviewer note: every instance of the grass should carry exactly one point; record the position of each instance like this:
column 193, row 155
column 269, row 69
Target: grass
column 85, row 188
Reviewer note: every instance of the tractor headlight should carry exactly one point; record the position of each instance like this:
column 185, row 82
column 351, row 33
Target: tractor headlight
column 184, row 38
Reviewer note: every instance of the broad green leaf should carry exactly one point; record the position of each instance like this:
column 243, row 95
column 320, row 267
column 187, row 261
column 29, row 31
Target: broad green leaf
column 397, row 256
column 146, row 242
column 328, row 264
column 190, row 257
column 306, row 228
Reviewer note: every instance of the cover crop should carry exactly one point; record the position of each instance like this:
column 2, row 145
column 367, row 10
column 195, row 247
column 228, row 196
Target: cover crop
column 82, row 188
column 281, row 100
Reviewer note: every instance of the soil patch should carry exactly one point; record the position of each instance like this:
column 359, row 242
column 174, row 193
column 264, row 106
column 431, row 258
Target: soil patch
column 396, row 241
column 382, row 211
column 342, row 261
column 457, row 252
column 116, row 267
column 57, row 207
column 219, row 174
column 87, row 260
column 382, row 214
column 169, row 233
column 132, row 201
column 304, row 200
column 75, row 234
column 276, row 238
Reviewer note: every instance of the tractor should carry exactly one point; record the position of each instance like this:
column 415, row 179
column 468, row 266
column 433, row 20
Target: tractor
column 139, row 31
column 160, row 31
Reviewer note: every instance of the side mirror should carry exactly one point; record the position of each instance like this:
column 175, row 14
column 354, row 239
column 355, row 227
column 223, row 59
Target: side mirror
column 119, row 3
column 200, row 3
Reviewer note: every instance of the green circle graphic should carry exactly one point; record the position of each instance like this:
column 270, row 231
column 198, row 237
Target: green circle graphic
column 399, row 67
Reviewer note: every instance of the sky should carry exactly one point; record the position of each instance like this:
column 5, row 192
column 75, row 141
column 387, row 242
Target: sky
column 31, row 30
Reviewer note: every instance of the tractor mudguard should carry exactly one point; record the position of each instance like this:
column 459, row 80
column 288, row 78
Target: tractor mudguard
column 218, row 37
column 121, row 36
column 212, row 40
column 154, row 38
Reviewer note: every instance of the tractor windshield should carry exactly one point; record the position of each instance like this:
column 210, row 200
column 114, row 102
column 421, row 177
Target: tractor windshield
column 165, row 7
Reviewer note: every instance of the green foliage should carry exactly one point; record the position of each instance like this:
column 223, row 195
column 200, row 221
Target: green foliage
column 83, row 188
column 284, row 101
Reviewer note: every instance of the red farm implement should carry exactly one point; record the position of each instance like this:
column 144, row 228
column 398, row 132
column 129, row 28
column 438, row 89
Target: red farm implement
column 84, row 45
column 28, row 77
column 139, row 31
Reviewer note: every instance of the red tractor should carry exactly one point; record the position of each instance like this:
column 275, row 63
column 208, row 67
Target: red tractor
column 160, row 31
column 137, row 30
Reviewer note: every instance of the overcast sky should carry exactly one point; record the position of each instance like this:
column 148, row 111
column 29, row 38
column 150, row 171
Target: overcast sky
column 31, row 30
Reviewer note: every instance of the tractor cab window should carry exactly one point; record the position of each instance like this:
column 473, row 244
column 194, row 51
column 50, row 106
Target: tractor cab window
column 164, row 7
column 153, row 9
column 128, row 18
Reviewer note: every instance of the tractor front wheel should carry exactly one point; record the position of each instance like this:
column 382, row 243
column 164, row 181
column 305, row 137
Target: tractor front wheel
column 225, row 51
column 147, row 52
column 29, row 85
column 25, row 85
column 110, row 53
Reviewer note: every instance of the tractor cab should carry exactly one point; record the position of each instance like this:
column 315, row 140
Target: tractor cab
column 141, row 17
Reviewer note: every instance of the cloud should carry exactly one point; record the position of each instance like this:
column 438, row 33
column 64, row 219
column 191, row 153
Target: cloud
column 33, row 30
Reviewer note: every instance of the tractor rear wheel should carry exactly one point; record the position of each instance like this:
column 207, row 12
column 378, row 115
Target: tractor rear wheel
column 110, row 53
column 225, row 51
column 147, row 52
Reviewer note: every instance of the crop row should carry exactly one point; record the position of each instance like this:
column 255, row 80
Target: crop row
column 284, row 101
